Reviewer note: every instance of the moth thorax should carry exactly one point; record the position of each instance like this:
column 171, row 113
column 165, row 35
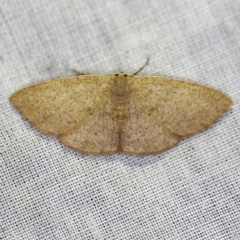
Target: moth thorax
column 120, row 85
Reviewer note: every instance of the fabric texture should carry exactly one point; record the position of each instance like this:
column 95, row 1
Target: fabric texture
column 51, row 192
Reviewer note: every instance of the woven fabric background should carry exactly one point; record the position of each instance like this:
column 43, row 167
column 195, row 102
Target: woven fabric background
column 50, row 192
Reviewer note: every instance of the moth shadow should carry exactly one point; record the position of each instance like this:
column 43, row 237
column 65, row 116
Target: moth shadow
column 127, row 160
column 140, row 161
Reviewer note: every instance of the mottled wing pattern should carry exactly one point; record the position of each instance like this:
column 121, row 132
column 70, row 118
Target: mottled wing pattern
column 161, row 111
column 143, row 134
column 97, row 132
column 56, row 106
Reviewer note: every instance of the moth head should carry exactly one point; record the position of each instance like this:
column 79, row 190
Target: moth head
column 121, row 75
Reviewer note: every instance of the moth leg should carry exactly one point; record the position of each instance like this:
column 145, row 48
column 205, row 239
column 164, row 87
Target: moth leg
column 77, row 73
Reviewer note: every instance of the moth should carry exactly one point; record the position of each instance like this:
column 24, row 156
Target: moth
column 100, row 114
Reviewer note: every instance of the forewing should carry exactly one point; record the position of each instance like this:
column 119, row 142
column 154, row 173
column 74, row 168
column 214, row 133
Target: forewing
column 56, row 106
column 182, row 107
